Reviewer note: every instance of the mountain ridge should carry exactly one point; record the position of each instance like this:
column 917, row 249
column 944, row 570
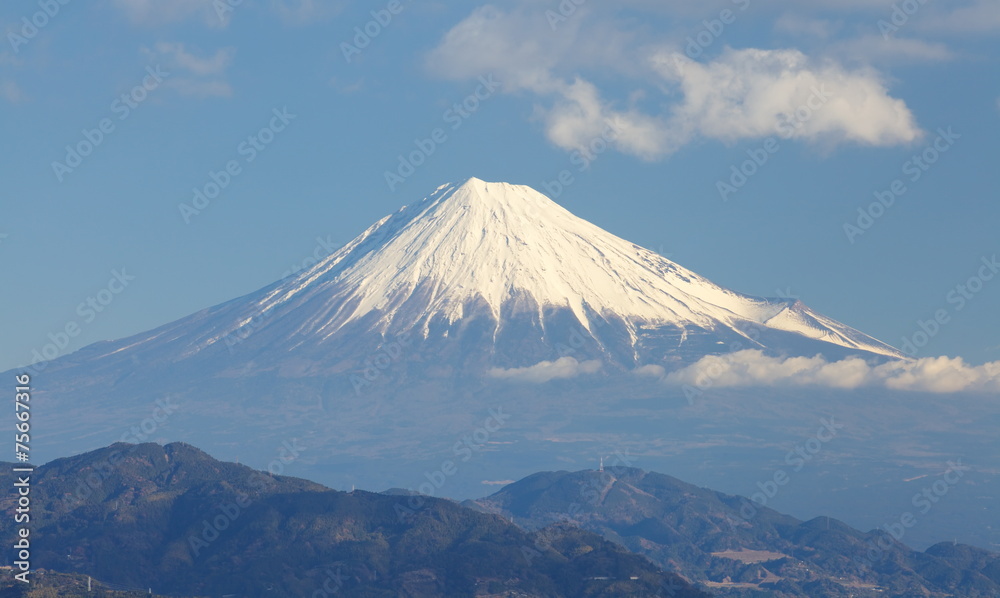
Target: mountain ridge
column 196, row 526
column 737, row 547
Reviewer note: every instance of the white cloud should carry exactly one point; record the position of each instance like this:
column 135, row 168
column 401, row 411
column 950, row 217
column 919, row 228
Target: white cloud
column 746, row 94
column 523, row 52
column 193, row 75
column 564, row 367
column 579, row 116
column 741, row 94
column 180, row 58
column 753, row 368
column 160, row 12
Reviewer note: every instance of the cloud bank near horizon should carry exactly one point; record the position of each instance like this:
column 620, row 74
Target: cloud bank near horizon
column 752, row 368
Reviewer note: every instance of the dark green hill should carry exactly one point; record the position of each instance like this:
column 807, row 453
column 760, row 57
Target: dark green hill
column 176, row 520
column 737, row 547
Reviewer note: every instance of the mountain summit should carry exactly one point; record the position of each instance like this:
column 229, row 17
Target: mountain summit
column 488, row 275
column 499, row 253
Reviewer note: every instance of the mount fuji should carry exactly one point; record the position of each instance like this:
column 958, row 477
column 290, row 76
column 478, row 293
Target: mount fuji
column 475, row 279
column 490, row 275
column 412, row 354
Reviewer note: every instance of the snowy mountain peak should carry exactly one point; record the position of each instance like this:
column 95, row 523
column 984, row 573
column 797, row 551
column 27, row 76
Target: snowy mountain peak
column 476, row 202
column 495, row 243
column 507, row 250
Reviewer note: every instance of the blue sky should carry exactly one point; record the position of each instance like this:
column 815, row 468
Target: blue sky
column 294, row 116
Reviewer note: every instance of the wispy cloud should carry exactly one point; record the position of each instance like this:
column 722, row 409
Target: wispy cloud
column 179, row 57
column 753, row 368
column 976, row 16
column 564, row 367
column 875, row 49
column 160, row 12
column 196, row 76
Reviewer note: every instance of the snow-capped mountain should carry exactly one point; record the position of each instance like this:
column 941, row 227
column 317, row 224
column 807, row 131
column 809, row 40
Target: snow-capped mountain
column 506, row 274
column 475, row 278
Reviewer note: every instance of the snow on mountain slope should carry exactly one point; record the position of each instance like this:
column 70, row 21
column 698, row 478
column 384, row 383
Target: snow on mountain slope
column 488, row 274
column 495, row 243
